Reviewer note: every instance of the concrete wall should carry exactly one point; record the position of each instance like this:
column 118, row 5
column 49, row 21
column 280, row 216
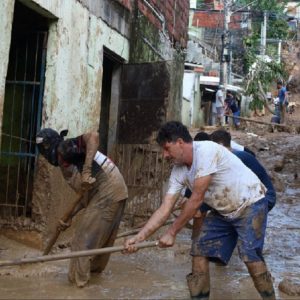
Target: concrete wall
column 74, row 62
column 72, row 95
column 74, row 68
column 159, row 33
column 186, row 112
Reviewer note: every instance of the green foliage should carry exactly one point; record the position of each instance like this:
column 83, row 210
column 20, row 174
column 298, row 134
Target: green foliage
column 264, row 5
column 251, row 45
column 272, row 50
column 199, row 3
column 264, row 74
column 277, row 29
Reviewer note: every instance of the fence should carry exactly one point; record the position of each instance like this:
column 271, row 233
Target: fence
column 145, row 173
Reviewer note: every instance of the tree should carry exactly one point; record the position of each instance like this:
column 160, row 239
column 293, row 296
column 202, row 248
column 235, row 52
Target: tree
column 262, row 72
column 261, row 76
column 273, row 6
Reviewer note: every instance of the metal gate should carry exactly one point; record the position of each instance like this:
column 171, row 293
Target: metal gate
column 21, row 120
column 145, row 173
column 144, row 97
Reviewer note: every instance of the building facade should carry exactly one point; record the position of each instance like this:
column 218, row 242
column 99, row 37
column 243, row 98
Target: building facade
column 81, row 65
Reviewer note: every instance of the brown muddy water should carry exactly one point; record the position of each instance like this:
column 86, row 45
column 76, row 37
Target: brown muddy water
column 160, row 273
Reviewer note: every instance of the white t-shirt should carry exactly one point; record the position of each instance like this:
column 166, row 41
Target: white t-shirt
column 219, row 99
column 234, row 186
column 236, row 146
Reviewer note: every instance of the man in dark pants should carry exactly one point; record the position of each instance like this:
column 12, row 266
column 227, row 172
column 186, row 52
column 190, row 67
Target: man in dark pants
column 223, row 137
column 88, row 171
column 283, row 100
column 239, row 210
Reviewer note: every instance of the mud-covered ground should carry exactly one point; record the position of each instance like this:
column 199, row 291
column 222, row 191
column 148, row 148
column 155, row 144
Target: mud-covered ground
column 160, row 274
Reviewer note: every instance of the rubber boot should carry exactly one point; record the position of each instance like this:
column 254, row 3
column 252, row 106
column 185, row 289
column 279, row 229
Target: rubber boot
column 199, row 285
column 264, row 285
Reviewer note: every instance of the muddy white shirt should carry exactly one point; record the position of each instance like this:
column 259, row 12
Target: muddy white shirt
column 233, row 187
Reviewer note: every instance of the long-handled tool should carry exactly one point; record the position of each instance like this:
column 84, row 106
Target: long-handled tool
column 136, row 230
column 65, row 219
column 140, row 226
column 73, row 254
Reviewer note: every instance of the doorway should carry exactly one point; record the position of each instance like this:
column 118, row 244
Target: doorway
column 109, row 99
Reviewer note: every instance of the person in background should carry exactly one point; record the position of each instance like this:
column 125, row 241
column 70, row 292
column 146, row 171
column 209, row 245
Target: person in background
column 227, row 103
column 223, row 137
column 203, row 136
column 235, row 111
column 283, row 100
column 220, row 105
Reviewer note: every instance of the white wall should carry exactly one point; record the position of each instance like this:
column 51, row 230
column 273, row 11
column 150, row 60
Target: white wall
column 72, row 96
column 186, row 112
column 6, row 17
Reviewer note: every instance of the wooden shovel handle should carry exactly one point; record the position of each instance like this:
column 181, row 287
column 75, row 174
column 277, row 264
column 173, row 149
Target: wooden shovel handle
column 65, row 218
column 73, row 254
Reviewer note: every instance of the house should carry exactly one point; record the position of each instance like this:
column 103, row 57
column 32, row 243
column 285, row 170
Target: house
column 113, row 66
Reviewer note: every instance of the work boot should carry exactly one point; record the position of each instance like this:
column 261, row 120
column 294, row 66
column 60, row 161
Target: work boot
column 264, row 285
column 199, row 285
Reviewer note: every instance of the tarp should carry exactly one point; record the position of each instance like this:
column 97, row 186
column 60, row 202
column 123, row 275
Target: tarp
column 214, row 81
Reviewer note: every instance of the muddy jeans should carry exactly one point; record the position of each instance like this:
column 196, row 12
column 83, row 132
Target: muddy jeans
column 219, row 235
column 97, row 228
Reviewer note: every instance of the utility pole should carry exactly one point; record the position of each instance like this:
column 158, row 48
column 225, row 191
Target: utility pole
column 279, row 51
column 225, row 42
column 263, row 36
column 229, row 80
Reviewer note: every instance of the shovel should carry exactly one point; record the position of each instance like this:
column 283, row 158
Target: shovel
column 65, row 219
column 73, row 254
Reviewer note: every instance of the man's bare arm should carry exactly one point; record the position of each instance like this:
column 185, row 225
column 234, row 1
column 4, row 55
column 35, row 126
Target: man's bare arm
column 192, row 206
column 158, row 218
column 91, row 140
column 155, row 222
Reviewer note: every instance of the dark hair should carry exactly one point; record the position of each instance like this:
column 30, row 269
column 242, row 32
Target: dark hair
column 202, row 136
column 279, row 82
column 221, row 136
column 171, row 131
column 47, row 141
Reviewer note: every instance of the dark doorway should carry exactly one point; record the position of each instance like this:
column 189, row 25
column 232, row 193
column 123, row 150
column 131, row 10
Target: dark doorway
column 24, row 89
column 111, row 65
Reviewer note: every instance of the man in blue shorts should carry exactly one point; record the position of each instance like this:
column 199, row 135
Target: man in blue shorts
column 239, row 208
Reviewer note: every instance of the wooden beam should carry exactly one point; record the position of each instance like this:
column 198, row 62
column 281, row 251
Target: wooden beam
column 259, row 122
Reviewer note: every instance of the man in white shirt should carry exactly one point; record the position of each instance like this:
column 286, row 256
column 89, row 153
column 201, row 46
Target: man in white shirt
column 239, row 210
column 220, row 105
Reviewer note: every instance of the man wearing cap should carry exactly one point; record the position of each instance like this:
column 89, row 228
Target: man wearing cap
column 90, row 172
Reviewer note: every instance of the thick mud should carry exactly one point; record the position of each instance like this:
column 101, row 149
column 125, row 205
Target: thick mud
column 161, row 273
